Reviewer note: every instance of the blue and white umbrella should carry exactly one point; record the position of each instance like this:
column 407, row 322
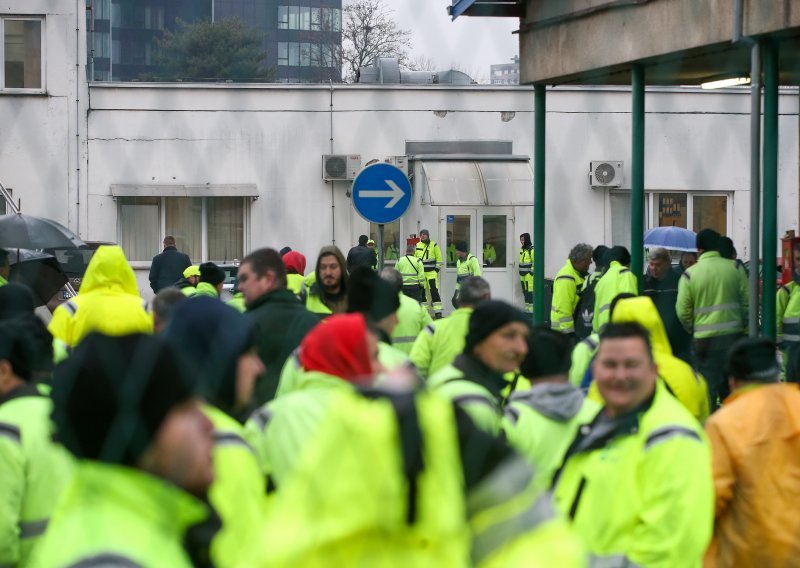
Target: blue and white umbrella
column 671, row 238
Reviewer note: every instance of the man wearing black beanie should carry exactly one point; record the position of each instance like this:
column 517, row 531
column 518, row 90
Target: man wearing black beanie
column 540, row 422
column 372, row 296
column 211, row 279
column 712, row 305
column 125, row 409
column 495, row 346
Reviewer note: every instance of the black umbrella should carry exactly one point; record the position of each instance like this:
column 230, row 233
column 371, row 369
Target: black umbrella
column 29, row 232
column 40, row 271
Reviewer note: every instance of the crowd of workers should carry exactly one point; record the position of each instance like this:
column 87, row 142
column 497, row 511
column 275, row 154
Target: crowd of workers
column 335, row 418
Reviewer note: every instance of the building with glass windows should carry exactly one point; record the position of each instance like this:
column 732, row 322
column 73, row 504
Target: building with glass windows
column 302, row 43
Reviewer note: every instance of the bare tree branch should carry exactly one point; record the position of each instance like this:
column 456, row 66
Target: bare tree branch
column 370, row 32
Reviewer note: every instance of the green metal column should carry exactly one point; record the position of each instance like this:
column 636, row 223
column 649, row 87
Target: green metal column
column 637, row 173
column 769, row 239
column 538, row 203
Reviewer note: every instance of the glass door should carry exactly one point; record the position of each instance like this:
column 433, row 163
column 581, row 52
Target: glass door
column 499, row 250
column 458, row 224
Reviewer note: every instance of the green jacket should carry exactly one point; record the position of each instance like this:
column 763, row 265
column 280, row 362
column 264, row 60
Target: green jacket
column 541, row 422
column 431, row 256
column 237, row 302
column 238, row 491
column 118, row 516
column 639, row 488
column 403, row 496
column 489, row 254
column 526, row 263
column 411, row 269
column 565, row 298
column 787, row 314
column 616, row 280
column 712, row 297
column 440, row 342
column 206, row 289
column 281, row 323
column 471, row 385
column 294, row 283
column 411, row 320
column 467, row 267
column 33, row 470
column 280, row 430
column 582, row 355
column 189, row 291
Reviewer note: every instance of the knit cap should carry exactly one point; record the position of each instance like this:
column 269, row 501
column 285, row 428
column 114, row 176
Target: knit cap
column 753, row 359
column 462, row 246
column 370, row 295
column 211, row 273
column 488, row 317
column 112, row 394
column 549, row 353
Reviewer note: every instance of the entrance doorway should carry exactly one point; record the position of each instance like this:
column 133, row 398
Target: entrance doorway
column 489, row 234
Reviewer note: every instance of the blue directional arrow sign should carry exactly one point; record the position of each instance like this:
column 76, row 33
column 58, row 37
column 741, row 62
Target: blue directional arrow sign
column 381, row 193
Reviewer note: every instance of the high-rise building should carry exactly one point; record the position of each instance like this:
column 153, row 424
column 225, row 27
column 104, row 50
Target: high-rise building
column 301, row 43
column 505, row 73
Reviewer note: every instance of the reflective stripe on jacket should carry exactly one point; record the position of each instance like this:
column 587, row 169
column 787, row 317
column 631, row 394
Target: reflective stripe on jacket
column 565, row 298
column 638, row 488
column 430, row 254
column 467, row 267
column 440, row 342
column 616, row 280
column 411, row 269
column 525, row 261
column 118, row 516
column 712, row 297
column 787, row 314
column 411, row 321
column 33, row 473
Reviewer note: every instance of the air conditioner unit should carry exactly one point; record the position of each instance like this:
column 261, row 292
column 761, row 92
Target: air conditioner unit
column 606, row 173
column 399, row 162
column 340, row 167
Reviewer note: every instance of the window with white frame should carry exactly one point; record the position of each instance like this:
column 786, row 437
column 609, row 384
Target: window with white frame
column 306, row 18
column 205, row 228
column 22, row 52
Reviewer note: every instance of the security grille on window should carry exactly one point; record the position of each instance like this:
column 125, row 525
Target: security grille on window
column 22, row 53
column 205, row 228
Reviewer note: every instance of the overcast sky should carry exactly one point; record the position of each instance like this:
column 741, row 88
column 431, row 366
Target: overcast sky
column 470, row 44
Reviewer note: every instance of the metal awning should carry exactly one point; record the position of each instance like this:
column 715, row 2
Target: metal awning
column 477, row 182
column 174, row 190
column 487, row 8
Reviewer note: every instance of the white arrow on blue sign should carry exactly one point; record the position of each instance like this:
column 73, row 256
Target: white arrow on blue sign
column 381, row 193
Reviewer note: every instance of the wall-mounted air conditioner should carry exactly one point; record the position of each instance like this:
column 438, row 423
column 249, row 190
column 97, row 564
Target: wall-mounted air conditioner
column 399, row 162
column 337, row 167
column 606, row 173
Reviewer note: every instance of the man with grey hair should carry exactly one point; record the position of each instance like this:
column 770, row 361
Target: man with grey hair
column 163, row 306
column 440, row 342
column 566, row 285
column 661, row 284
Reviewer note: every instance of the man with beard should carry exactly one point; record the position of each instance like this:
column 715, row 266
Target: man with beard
column 328, row 295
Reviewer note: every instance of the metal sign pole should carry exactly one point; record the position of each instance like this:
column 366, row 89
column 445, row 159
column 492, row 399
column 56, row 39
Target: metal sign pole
column 380, row 246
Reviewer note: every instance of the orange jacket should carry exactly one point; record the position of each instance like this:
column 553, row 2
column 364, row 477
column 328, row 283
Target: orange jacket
column 755, row 439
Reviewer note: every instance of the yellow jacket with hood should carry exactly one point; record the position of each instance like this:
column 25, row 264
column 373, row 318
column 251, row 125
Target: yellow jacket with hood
column 108, row 302
column 678, row 376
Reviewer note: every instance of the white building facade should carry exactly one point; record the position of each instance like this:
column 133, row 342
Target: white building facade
column 231, row 168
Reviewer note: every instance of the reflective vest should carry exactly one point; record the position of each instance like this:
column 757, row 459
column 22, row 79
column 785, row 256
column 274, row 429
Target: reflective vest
column 33, row 473
column 238, row 493
column 440, row 342
column 489, row 254
column 712, row 297
column 412, row 271
column 294, row 282
column 430, row 254
column 787, row 308
column 616, row 280
column 206, row 289
column 411, row 321
column 112, row 515
column 526, row 262
column 237, row 302
column 639, row 490
column 467, row 267
column 565, row 298
column 108, row 302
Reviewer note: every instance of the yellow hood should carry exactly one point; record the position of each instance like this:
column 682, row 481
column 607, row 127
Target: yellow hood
column 109, row 271
column 643, row 311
